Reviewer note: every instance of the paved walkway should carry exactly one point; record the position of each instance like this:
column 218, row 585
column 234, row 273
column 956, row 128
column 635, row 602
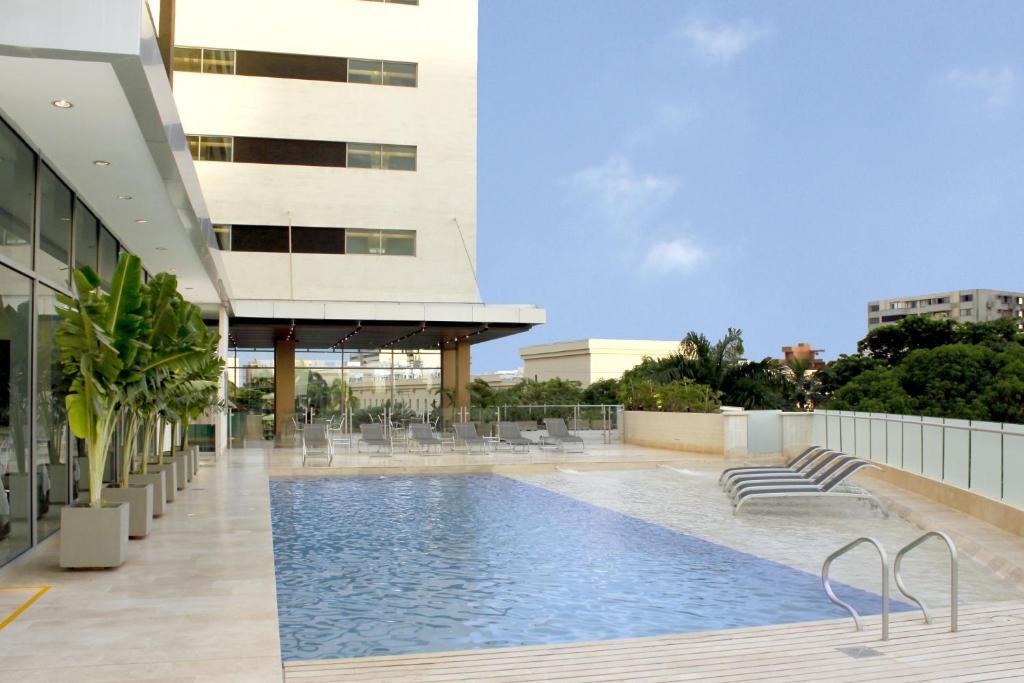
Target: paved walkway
column 195, row 600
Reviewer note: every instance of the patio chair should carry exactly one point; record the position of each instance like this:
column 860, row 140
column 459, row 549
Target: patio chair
column 830, row 488
column 315, row 442
column 795, row 462
column 372, row 434
column 559, row 435
column 509, row 435
column 466, row 435
column 422, row 436
column 808, row 464
column 820, row 471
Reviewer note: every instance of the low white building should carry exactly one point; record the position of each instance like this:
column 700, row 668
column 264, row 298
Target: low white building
column 590, row 360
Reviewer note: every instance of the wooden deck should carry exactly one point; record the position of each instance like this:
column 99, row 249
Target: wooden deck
column 989, row 646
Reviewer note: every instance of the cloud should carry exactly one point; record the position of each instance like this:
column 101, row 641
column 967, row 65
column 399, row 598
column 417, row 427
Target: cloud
column 721, row 43
column 619, row 194
column 679, row 255
column 996, row 85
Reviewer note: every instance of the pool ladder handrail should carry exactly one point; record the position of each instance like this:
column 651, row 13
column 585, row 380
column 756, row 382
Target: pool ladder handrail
column 954, row 563
column 885, row 582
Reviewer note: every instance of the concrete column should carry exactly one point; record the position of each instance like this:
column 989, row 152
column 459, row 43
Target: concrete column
column 284, row 387
column 734, row 428
column 455, row 379
column 221, row 430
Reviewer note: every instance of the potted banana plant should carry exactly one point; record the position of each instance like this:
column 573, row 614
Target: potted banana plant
column 100, row 341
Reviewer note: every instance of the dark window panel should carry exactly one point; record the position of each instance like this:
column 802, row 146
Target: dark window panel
column 17, row 197
column 86, row 237
column 271, row 238
column 281, row 65
column 318, row 240
column 290, row 152
column 108, row 256
column 54, row 227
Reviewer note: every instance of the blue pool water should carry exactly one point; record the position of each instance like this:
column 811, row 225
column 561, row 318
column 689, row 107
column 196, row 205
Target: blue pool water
column 393, row 565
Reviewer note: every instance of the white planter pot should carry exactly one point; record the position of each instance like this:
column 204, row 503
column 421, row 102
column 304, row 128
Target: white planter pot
column 180, row 460
column 170, row 479
column 140, row 506
column 93, row 537
column 159, row 482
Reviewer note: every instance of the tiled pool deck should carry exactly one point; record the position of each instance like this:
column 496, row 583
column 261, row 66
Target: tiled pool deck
column 196, row 600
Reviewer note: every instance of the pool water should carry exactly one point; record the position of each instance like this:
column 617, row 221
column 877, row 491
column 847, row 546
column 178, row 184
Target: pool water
column 394, row 565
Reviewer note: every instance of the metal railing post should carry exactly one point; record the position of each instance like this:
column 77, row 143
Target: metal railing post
column 954, row 574
column 885, row 581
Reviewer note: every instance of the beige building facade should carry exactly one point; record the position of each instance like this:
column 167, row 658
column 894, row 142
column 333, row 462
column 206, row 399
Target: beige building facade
column 964, row 305
column 590, row 360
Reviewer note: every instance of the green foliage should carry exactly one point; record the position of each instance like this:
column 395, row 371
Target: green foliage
column 936, row 368
column 602, row 392
column 720, row 366
column 131, row 354
column 677, row 396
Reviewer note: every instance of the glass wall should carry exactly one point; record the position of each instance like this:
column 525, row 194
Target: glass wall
column 250, row 375
column 54, row 227
column 38, row 474
column 15, row 433
column 52, row 436
column 17, row 197
column 361, row 385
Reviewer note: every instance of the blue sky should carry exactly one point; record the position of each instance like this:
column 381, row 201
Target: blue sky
column 650, row 167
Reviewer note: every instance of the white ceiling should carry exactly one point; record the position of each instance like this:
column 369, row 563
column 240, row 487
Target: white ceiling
column 103, row 125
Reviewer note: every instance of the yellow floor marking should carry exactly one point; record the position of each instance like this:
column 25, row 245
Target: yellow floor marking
column 40, row 590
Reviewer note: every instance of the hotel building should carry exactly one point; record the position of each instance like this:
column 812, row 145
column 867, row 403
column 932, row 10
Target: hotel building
column 307, row 170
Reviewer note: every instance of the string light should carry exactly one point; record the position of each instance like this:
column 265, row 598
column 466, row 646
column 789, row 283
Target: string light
column 422, row 328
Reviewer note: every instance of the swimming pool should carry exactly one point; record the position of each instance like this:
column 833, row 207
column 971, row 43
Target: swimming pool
column 394, row 565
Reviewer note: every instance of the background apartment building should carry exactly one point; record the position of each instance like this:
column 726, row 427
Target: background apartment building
column 965, row 305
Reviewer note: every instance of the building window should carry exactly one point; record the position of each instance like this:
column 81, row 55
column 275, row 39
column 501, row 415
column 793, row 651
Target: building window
column 873, row 308
column 391, row 157
column 892, row 318
column 382, row 242
column 107, row 257
column 211, row 147
column 318, row 240
column 17, row 197
column 966, row 312
column 966, row 297
column 86, row 237
column 315, row 240
column 267, row 238
column 380, row 72
column 223, row 235
column 288, row 152
column 55, row 203
column 204, row 60
column 942, row 300
column 873, row 320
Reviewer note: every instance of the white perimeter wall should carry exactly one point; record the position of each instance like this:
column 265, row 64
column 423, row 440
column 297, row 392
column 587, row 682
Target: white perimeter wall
column 438, row 116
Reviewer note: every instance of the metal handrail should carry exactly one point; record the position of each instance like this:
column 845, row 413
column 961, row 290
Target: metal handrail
column 954, row 562
column 885, row 582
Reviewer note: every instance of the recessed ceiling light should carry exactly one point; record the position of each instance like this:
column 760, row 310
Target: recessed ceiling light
column 161, row 248
column 62, row 104
column 141, row 220
column 124, row 196
column 101, row 162
column 173, row 270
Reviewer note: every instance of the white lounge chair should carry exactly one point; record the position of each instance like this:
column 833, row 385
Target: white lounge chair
column 559, row 435
column 422, row 436
column 316, row 443
column 825, row 485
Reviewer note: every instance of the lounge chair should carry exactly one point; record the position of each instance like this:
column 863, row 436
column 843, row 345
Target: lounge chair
column 827, row 467
column 372, row 434
column 807, row 468
column 829, row 488
column 315, row 442
column 559, row 435
column 807, row 454
column 466, row 435
column 422, row 436
column 509, row 435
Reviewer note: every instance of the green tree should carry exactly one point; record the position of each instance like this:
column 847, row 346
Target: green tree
column 873, row 391
column 891, row 343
